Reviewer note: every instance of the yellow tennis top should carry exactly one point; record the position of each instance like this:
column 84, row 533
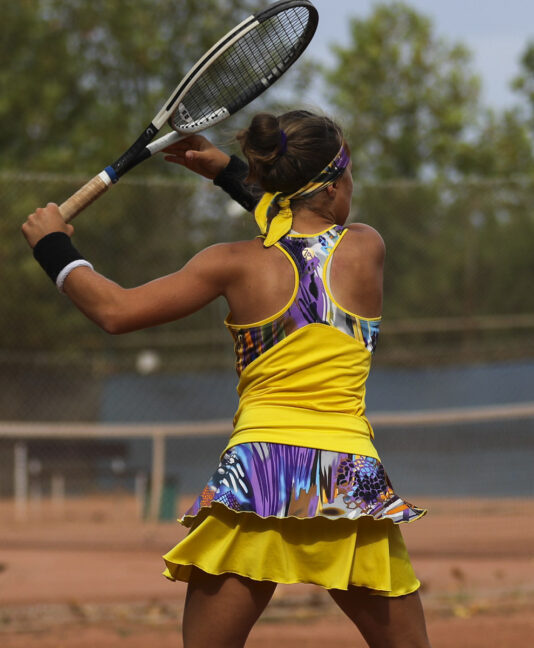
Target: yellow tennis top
column 303, row 371
column 308, row 390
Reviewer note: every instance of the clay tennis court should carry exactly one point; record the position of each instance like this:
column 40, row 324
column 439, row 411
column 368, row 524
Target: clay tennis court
column 92, row 578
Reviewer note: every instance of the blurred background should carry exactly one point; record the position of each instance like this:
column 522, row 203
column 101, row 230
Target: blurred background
column 126, row 429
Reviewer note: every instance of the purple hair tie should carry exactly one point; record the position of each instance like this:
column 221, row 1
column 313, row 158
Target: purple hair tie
column 283, row 142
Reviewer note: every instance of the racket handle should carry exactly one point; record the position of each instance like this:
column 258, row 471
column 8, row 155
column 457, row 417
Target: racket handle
column 85, row 196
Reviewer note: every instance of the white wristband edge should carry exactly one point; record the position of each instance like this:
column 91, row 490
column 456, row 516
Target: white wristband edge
column 60, row 279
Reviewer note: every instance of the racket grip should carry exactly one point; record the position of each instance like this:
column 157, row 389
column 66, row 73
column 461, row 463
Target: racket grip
column 85, row 196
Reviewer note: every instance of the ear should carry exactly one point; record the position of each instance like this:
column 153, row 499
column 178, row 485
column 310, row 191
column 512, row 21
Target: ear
column 331, row 190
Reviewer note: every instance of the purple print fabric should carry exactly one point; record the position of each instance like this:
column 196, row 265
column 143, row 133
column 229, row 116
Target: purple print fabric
column 278, row 480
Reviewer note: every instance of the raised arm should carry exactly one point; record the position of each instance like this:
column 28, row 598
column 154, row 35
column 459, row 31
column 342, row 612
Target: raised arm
column 199, row 155
column 114, row 308
column 228, row 172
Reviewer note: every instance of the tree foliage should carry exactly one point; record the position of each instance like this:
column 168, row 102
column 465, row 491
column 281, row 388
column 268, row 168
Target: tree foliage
column 88, row 76
column 441, row 176
column 405, row 96
column 500, row 146
column 524, row 82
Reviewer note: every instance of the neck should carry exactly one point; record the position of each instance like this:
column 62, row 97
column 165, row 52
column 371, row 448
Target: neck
column 306, row 221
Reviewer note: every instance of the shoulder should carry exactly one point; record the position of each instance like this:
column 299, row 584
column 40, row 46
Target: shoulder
column 225, row 258
column 228, row 251
column 366, row 237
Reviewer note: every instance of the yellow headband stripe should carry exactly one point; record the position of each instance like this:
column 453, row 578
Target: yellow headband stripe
column 276, row 227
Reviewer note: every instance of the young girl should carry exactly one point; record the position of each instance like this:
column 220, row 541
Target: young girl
column 300, row 494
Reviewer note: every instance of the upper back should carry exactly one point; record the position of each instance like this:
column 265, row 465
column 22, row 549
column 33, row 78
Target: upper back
column 264, row 280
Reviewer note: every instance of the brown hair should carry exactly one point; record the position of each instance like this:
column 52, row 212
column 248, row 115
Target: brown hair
column 311, row 142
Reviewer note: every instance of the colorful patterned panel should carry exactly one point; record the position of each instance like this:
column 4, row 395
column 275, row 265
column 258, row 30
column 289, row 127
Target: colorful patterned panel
column 278, row 480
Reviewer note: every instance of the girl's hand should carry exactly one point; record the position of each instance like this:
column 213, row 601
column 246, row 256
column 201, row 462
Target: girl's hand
column 43, row 221
column 199, row 155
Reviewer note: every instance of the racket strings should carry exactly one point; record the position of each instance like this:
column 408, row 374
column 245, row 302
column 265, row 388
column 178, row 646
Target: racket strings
column 244, row 70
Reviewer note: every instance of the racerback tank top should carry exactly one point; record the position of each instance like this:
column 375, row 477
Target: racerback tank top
column 312, row 301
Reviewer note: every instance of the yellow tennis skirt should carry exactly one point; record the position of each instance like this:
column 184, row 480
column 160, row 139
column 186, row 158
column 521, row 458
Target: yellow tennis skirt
column 331, row 553
column 290, row 514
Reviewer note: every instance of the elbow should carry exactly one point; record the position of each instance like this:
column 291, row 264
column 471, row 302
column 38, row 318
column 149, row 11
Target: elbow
column 109, row 324
column 111, row 327
column 112, row 321
column 107, row 305
column 114, row 324
column 114, row 314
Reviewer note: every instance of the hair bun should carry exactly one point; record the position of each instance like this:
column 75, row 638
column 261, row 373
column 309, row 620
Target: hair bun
column 262, row 140
column 313, row 142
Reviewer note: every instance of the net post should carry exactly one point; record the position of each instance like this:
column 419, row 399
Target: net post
column 57, row 494
column 158, row 475
column 140, row 489
column 20, row 480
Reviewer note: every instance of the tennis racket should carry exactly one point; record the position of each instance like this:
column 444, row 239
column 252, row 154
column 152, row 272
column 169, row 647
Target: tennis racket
column 237, row 69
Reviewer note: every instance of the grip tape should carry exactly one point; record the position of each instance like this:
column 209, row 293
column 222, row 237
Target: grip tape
column 85, row 196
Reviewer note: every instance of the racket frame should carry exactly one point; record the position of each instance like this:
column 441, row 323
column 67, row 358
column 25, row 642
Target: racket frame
column 143, row 147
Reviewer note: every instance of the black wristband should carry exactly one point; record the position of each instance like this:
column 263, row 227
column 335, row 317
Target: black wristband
column 232, row 180
column 55, row 251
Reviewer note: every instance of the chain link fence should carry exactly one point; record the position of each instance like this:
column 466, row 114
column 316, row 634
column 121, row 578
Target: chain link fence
column 457, row 291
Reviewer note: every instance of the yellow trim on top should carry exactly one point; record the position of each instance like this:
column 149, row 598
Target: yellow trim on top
column 327, row 286
column 271, row 318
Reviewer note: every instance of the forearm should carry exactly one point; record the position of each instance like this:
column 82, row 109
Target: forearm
column 101, row 300
column 199, row 155
column 232, row 180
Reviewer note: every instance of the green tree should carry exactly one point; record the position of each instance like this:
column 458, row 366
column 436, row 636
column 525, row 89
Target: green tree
column 438, row 167
column 88, row 76
column 523, row 84
column 501, row 146
column 80, row 85
column 405, row 96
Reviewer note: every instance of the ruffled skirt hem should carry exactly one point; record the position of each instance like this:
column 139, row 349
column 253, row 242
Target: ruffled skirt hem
column 183, row 573
column 337, row 554
column 415, row 513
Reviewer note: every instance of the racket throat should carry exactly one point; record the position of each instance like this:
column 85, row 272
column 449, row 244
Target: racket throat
column 133, row 156
column 183, row 123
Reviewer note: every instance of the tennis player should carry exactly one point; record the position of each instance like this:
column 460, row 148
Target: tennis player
column 300, row 494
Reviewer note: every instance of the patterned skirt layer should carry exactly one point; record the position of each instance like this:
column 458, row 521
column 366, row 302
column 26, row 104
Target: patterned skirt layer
column 288, row 481
column 292, row 514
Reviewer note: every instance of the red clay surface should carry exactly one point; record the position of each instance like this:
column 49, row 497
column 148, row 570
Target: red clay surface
column 90, row 576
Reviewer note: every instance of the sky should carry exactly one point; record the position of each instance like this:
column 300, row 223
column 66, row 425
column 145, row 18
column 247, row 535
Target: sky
column 496, row 32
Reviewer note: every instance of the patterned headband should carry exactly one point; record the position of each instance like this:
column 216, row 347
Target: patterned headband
column 276, row 227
